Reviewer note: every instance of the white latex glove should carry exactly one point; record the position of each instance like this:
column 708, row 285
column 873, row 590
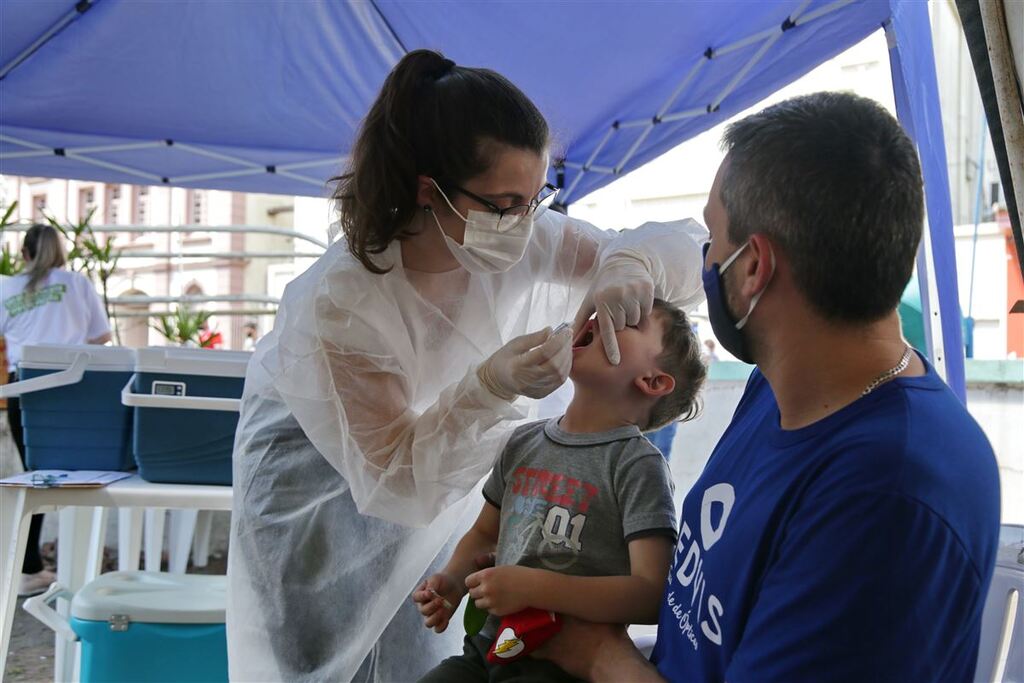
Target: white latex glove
column 622, row 294
column 532, row 365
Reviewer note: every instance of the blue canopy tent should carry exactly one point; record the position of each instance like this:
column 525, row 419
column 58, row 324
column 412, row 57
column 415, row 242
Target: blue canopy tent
column 267, row 97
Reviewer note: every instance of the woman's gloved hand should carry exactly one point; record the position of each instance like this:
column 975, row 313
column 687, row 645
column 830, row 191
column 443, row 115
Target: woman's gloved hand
column 532, row 365
column 622, row 294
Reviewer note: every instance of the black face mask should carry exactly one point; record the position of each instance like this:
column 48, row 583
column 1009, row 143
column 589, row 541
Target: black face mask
column 728, row 331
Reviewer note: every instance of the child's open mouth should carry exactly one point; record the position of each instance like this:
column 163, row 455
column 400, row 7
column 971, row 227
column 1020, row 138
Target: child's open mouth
column 585, row 337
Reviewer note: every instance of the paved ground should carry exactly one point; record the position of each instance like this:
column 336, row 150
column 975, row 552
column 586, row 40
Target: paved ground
column 31, row 657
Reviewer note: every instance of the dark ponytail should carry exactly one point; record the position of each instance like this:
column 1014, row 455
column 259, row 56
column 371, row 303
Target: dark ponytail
column 431, row 118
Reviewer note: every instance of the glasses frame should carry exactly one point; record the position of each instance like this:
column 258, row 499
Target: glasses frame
column 502, row 213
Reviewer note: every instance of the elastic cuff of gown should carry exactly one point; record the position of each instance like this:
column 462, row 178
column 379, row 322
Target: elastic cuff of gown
column 628, row 252
column 488, row 399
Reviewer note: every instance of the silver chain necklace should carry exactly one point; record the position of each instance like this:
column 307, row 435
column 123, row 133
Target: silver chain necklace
column 890, row 373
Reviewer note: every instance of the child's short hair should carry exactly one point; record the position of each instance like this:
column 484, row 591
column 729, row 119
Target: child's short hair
column 680, row 357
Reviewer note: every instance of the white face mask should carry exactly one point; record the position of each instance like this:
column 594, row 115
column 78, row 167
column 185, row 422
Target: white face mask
column 484, row 248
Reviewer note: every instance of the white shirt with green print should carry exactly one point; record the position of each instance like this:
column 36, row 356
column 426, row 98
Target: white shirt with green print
column 64, row 309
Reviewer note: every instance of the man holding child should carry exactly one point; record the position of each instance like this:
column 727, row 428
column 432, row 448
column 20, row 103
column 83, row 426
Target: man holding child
column 845, row 526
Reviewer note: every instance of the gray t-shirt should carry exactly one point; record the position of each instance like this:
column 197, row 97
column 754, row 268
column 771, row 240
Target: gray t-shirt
column 572, row 502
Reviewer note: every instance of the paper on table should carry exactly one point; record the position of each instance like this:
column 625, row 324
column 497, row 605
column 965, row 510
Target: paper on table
column 64, row 478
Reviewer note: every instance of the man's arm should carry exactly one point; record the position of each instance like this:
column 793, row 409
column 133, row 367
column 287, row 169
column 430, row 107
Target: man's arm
column 601, row 653
column 632, row 599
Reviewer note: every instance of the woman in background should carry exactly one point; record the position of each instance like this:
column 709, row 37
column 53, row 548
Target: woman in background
column 45, row 304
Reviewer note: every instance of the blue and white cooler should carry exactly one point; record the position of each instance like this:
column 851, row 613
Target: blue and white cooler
column 186, row 410
column 143, row 627
column 71, row 407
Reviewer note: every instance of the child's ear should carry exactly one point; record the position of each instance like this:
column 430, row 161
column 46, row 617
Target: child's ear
column 656, row 384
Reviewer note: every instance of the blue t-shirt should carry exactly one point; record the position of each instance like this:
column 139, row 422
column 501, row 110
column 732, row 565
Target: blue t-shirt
column 859, row 548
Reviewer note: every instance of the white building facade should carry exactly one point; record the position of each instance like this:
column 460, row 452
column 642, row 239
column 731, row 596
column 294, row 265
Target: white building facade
column 156, row 264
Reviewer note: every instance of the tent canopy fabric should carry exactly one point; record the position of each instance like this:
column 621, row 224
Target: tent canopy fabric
column 268, row 96
column 240, row 87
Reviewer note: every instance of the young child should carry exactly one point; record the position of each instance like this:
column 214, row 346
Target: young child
column 579, row 509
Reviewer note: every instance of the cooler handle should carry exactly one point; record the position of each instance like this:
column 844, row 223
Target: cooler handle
column 196, row 363
column 73, row 375
column 129, row 398
column 39, row 607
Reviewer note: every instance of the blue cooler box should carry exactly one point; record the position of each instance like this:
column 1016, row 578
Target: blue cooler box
column 186, row 410
column 71, row 407
column 140, row 627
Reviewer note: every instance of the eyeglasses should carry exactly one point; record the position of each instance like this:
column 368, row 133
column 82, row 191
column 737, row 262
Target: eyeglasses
column 512, row 216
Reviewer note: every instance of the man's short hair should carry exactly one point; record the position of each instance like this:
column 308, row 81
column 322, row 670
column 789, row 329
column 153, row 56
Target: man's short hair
column 835, row 181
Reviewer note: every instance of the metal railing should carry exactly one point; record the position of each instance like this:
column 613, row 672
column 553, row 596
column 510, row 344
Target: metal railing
column 140, row 229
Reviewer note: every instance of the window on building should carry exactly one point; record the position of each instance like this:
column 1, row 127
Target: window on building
column 141, row 205
column 86, row 202
column 196, row 214
column 995, row 192
column 38, row 207
column 113, row 204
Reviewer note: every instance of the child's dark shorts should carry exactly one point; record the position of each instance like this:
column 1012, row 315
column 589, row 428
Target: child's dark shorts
column 472, row 665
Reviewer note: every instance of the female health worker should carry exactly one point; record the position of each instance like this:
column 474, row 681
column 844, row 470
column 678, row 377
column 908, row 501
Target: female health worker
column 392, row 375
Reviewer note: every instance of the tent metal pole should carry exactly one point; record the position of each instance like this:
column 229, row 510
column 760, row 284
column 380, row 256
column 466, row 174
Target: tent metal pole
column 769, row 37
column 76, row 150
column 77, row 10
column 115, row 167
column 220, row 174
column 139, row 229
column 974, row 32
column 742, row 73
column 1008, row 95
column 915, row 87
column 586, row 166
column 682, row 86
column 974, row 241
column 136, row 299
column 249, row 167
column 219, row 156
column 822, row 11
column 930, row 302
column 26, row 143
column 231, row 255
column 302, row 178
column 226, row 312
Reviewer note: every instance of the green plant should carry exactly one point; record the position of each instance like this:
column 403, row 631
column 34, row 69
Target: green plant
column 102, row 260
column 76, row 234
column 10, row 261
column 183, row 326
column 96, row 261
column 6, row 219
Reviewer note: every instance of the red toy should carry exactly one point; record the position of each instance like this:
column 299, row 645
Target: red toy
column 521, row 633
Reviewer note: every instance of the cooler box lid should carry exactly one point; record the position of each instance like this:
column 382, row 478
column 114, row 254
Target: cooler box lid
column 61, row 356
column 187, row 361
column 151, row 597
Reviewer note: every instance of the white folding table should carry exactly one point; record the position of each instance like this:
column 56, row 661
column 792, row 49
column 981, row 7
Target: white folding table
column 80, row 542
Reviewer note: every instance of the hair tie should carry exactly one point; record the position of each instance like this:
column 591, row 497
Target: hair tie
column 444, row 69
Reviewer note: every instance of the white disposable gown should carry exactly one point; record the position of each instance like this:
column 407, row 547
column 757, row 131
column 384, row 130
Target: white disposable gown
column 363, row 428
